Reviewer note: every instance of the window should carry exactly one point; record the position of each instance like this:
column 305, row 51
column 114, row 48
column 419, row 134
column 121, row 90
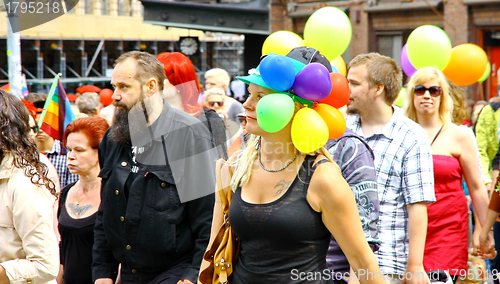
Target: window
column 390, row 45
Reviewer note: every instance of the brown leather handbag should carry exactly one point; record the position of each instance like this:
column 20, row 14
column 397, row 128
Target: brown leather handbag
column 225, row 247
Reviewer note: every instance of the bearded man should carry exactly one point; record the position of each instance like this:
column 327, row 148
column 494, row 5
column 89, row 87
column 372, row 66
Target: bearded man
column 157, row 170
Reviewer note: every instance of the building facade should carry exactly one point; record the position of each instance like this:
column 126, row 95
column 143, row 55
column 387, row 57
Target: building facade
column 384, row 26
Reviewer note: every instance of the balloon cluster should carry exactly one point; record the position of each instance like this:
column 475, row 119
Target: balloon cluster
column 329, row 31
column 313, row 86
column 428, row 45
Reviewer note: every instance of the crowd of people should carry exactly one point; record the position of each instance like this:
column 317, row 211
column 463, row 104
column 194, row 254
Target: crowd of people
column 127, row 196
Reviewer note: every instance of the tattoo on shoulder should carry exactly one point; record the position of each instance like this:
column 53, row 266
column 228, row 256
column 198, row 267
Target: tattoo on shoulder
column 281, row 186
column 79, row 210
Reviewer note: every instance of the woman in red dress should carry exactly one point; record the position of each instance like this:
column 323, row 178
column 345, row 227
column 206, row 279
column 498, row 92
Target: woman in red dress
column 428, row 102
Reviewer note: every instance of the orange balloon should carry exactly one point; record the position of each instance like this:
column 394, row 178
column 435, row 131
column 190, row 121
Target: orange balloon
column 105, row 97
column 333, row 118
column 467, row 64
column 340, row 64
column 340, row 94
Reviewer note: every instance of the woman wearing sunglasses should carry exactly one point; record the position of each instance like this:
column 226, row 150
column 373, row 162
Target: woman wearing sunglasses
column 428, row 102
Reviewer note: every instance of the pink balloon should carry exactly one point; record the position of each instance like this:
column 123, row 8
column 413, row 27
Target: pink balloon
column 408, row 68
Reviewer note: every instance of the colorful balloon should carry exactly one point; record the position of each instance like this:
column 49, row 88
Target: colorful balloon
column 274, row 112
column 334, row 69
column 333, row 119
column 401, row 97
column 467, row 64
column 329, row 31
column 406, row 65
column 281, row 42
column 340, row 94
column 105, row 97
column 309, row 131
column 313, row 82
column 429, row 45
column 340, row 65
column 486, row 73
column 278, row 72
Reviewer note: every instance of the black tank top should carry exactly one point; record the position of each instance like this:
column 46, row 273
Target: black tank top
column 77, row 239
column 283, row 240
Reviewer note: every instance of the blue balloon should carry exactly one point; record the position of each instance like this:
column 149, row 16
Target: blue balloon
column 334, row 69
column 278, row 72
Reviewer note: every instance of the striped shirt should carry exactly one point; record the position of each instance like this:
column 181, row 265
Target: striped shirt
column 403, row 163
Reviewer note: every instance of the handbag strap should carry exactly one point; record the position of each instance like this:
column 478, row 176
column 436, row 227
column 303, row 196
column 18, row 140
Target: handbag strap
column 224, row 199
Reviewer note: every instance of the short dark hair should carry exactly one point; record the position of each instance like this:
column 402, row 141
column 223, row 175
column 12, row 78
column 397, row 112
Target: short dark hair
column 147, row 66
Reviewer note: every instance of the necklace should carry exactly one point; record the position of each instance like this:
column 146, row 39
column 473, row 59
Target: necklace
column 78, row 202
column 278, row 170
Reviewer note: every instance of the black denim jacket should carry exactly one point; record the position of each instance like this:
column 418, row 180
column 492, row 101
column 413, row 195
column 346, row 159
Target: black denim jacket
column 151, row 230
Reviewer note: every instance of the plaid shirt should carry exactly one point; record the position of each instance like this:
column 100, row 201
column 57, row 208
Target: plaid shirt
column 60, row 162
column 403, row 162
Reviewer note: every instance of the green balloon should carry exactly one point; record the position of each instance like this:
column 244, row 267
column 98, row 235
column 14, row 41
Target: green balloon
column 401, row 97
column 274, row 112
column 429, row 46
column 486, row 73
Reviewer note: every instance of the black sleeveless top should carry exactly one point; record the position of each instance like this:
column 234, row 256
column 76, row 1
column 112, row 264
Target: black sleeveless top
column 77, row 239
column 281, row 241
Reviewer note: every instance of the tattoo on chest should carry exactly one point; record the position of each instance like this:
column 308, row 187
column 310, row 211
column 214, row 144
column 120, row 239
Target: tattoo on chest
column 281, row 186
column 79, row 210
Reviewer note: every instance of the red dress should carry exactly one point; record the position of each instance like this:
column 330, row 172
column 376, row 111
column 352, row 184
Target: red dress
column 446, row 246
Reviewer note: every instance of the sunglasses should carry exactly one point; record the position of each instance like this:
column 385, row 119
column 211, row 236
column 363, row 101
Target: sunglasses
column 242, row 119
column 213, row 103
column 35, row 128
column 434, row 91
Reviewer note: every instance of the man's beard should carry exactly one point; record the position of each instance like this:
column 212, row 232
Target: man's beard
column 120, row 130
column 350, row 110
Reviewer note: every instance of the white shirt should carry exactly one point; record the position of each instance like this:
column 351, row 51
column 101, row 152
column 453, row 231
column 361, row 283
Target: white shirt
column 405, row 175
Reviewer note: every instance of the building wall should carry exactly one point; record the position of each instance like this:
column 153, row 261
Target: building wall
column 375, row 21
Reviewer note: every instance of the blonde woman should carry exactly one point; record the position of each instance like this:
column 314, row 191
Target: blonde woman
column 428, row 102
column 286, row 205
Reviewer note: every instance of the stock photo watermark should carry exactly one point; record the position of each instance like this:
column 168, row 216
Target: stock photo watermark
column 26, row 14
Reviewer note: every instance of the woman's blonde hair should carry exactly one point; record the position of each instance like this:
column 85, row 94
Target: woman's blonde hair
column 243, row 165
column 446, row 103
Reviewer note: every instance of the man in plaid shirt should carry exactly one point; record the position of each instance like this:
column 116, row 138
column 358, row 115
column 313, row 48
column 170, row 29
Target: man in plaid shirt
column 403, row 163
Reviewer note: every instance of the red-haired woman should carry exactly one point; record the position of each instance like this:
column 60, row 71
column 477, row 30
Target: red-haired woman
column 182, row 90
column 80, row 200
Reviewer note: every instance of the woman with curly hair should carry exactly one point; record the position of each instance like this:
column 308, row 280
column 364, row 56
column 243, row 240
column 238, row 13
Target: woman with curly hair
column 29, row 250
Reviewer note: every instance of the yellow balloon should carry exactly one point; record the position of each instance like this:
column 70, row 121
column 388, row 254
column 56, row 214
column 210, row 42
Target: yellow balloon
column 340, row 64
column 309, row 131
column 281, row 42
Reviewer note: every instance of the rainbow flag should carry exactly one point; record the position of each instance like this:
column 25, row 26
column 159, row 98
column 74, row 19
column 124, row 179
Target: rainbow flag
column 57, row 113
column 24, row 88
